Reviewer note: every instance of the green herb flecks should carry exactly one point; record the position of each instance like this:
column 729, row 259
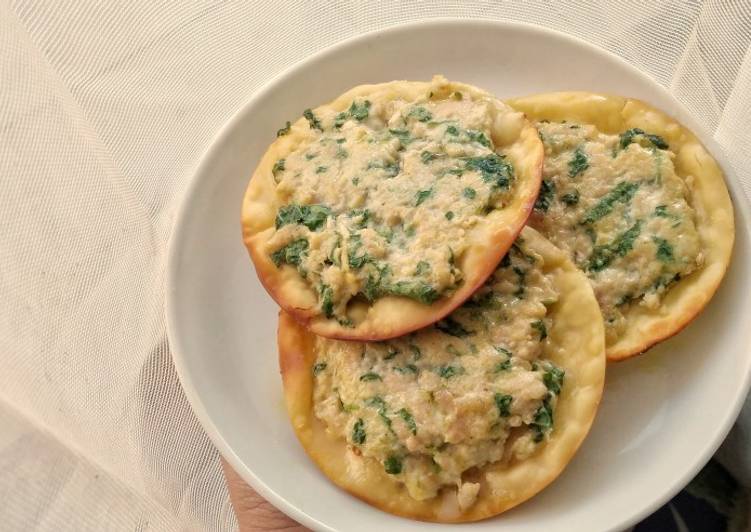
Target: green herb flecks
column 578, row 163
column 420, row 114
column 553, row 378
column 449, row 215
column 358, row 432
column 355, row 260
column 422, row 268
column 391, row 353
column 417, row 290
column 311, row 216
column 313, row 121
column 543, row 421
column 422, row 195
column 278, row 167
column 428, row 156
column 570, row 198
column 293, row 253
column 408, row 419
column 546, row 196
column 664, row 251
column 494, row 168
column 326, row 295
column 403, row 136
column 370, row 376
column 604, row 254
column 469, row 193
column 319, row 367
column 630, row 135
column 393, row 465
column 452, row 327
column 622, row 193
column 283, row 131
column 503, row 403
column 541, row 329
column 447, row 371
column 407, row 369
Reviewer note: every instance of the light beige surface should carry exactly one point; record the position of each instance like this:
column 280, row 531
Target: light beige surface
column 485, row 243
column 576, row 345
column 708, row 196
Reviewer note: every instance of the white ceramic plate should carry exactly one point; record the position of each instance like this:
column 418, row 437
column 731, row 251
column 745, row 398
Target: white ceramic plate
column 663, row 415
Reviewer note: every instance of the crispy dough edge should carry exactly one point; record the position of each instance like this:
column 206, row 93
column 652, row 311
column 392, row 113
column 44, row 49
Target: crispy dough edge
column 708, row 195
column 389, row 316
column 579, row 347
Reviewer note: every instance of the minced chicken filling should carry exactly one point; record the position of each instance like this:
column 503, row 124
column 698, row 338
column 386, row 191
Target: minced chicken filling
column 475, row 388
column 616, row 205
column 380, row 201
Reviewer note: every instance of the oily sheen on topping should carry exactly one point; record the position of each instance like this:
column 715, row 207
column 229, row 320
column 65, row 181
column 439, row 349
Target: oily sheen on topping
column 639, row 205
column 382, row 211
column 468, row 417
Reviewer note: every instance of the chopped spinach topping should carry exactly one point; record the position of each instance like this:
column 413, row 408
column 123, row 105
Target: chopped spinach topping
column 356, row 261
column 358, row 432
column 321, row 169
column 494, row 168
column 293, row 253
column 407, row 368
column 503, row 351
column 479, row 137
column 570, row 198
column 543, row 421
column 540, row 327
column 359, row 111
column 503, row 402
column 403, row 136
column 553, row 379
column 408, row 419
column 449, row 371
column 327, row 303
column 502, row 366
column 604, row 254
column 452, row 130
column 362, row 214
column 422, row 268
column 449, row 215
column 319, row 367
column 311, row 216
column 416, row 353
column 422, row 195
column 370, row 376
column 420, row 114
column 376, row 402
column 283, row 131
column 579, row 163
column 278, row 167
column 546, row 196
column 622, row 193
column 628, row 136
column 469, row 193
column 417, row 290
column 428, row 156
column 313, row 121
column 391, row 353
column 393, row 465
column 664, row 249
column 662, row 211
column 452, row 327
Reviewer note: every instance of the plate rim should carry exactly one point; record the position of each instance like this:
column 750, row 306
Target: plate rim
column 739, row 199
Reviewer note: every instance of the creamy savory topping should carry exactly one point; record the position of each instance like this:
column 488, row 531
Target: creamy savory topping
column 616, row 205
column 379, row 199
column 473, row 389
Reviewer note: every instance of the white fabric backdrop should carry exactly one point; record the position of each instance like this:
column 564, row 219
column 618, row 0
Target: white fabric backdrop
column 105, row 109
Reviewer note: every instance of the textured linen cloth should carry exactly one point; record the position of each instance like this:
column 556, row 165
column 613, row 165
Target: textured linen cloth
column 105, row 109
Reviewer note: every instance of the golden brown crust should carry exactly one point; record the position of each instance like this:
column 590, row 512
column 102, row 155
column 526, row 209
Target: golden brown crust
column 389, row 316
column 708, row 195
column 577, row 337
